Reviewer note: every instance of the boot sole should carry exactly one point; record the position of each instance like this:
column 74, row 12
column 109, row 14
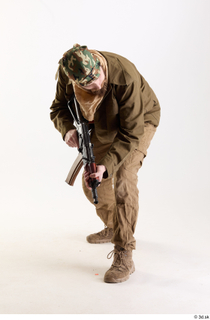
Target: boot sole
column 98, row 241
column 113, row 280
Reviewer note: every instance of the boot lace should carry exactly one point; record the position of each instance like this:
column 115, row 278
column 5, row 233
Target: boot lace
column 119, row 261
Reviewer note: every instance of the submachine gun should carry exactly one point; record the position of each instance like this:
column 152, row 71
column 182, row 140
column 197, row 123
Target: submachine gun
column 85, row 157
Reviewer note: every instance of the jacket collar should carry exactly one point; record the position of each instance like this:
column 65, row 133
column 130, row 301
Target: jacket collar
column 117, row 74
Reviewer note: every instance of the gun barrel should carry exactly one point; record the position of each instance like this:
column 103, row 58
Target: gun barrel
column 95, row 195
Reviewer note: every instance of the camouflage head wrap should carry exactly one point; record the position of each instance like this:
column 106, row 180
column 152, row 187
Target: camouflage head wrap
column 80, row 65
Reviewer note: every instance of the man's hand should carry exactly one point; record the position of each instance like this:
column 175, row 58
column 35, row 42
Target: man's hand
column 71, row 138
column 100, row 169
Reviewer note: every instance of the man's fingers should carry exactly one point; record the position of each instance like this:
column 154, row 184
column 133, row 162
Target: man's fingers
column 71, row 139
column 87, row 177
column 86, row 174
column 72, row 143
column 94, row 175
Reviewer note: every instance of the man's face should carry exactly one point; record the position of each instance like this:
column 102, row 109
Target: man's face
column 98, row 87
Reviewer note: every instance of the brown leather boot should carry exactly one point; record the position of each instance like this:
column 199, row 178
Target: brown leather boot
column 122, row 265
column 103, row 236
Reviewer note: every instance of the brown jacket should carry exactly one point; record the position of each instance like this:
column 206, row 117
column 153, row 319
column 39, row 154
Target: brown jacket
column 128, row 105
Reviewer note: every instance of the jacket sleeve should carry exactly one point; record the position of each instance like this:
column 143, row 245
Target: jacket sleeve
column 60, row 114
column 131, row 127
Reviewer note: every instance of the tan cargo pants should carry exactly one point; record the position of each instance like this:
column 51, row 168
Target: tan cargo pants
column 118, row 202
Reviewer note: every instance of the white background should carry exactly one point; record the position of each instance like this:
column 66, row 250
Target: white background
column 42, row 217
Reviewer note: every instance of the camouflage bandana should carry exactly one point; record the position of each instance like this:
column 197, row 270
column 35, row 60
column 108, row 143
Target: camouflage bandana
column 80, row 65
